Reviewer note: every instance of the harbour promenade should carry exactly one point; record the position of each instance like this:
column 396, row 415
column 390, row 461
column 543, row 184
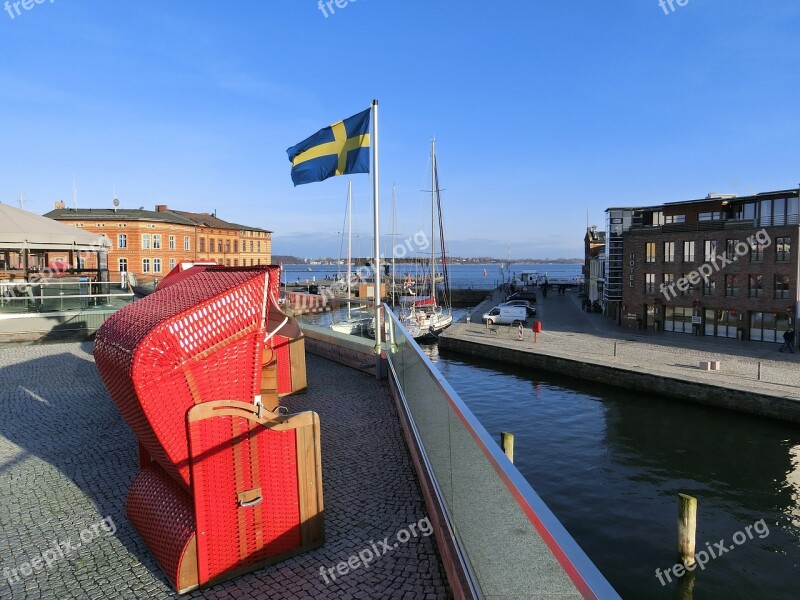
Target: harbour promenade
column 67, row 459
column 754, row 376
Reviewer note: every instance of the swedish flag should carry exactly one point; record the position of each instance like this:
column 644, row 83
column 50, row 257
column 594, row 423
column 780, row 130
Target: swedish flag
column 339, row 149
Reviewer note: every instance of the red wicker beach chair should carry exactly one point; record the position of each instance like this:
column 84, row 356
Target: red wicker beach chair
column 225, row 486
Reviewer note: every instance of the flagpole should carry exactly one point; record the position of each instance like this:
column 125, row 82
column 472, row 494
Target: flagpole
column 376, row 261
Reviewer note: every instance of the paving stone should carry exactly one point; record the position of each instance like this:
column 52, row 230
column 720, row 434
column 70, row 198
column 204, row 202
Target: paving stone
column 67, row 460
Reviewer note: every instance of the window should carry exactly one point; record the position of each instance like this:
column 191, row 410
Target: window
column 172, row 242
column 258, row 246
column 145, row 265
column 669, row 219
column 669, row 279
column 123, row 265
column 657, row 217
column 146, row 241
column 779, row 211
column 227, row 246
column 730, row 249
column 716, row 215
column 211, row 245
column 81, row 263
column 782, row 249
column 731, row 286
column 251, row 245
column 688, row 251
column 781, row 286
column 122, row 240
column 669, row 251
column 171, row 264
column 689, row 286
column 235, row 246
column 756, row 251
column 219, row 246
column 649, row 283
column 227, row 262
column 186, row 243
column 755, row 286
column 710, row 249
column 202, row 244
column 747, row 211
column 709, row 286
column 156, row 265
column 156, row 241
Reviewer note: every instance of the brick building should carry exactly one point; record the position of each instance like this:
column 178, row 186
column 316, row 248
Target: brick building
column 723, row 266
column 150, row 243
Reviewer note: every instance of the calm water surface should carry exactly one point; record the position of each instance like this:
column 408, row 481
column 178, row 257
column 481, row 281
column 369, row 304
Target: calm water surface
column 609, row 464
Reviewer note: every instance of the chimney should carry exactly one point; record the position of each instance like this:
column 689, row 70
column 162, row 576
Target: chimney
column 161, row 208
column 59, row 205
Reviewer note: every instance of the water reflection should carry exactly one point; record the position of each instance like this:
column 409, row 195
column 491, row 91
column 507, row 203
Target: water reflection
column 610, row 463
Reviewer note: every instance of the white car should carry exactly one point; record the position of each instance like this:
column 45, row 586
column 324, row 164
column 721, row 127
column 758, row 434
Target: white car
column 529, row 308
column 506, row 315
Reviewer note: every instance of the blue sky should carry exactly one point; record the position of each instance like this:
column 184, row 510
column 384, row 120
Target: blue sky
column 543, row 111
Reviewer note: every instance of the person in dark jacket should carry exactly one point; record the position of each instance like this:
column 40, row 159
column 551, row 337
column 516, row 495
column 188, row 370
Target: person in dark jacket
column 788, row 341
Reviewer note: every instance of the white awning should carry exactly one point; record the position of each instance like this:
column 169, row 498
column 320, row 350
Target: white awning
column 20, row 229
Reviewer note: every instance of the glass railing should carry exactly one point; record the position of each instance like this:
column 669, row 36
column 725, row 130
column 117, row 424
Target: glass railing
column 62, row 294
column 354, row 317
column 511, row 544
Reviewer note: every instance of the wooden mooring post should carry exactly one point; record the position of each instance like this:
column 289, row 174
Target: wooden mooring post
column 687, row 527
column 507, row 444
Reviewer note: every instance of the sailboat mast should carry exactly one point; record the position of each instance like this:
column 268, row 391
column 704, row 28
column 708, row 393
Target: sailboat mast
column 349, row 240
column 433, row 224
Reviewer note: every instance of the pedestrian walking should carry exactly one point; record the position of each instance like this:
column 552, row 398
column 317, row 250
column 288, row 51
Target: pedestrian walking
column 788, row 341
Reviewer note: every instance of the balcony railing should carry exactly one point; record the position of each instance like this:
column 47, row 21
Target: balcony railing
column 66, row 294
column 506, row 534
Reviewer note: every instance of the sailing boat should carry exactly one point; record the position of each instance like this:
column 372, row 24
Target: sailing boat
column 426, row 318
column 358, row 322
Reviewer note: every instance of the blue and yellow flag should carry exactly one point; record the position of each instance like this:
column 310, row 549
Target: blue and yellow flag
column 339, row 149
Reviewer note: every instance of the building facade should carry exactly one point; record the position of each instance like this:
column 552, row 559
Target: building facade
column 594, row 244
column 722, row 266
column 150, row 243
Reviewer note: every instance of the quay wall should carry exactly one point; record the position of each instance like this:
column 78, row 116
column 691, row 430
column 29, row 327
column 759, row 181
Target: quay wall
column 729, row 396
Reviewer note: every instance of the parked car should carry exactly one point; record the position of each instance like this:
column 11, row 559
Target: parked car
column 529, row 308
column 505, row 315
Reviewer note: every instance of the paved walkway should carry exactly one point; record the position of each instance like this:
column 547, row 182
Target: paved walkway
column 67, row 459
column 571, row 332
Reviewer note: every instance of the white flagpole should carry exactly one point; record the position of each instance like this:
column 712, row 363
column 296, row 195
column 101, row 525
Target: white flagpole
column 376, row 262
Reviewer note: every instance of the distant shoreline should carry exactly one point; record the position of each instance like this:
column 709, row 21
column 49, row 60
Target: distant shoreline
column 293, row 260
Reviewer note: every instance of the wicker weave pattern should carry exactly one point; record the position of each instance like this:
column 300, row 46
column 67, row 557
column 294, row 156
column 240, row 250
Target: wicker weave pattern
column 224, row 486
column 233, row 537
column 196, row 340
column 162, row 513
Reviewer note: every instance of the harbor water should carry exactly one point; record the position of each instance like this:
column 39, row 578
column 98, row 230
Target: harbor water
column 610, row 463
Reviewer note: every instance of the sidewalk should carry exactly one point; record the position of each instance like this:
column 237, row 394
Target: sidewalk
column 67, row 459
column 571, row 332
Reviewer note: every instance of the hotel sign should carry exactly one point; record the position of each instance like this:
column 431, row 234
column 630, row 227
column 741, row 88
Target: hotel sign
column 632, row 265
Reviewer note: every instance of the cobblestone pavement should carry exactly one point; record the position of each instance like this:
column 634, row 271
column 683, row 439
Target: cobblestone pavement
column 67, row 459
column 570, row 332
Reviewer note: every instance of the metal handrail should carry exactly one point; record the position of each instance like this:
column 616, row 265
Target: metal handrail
column 576, row 564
